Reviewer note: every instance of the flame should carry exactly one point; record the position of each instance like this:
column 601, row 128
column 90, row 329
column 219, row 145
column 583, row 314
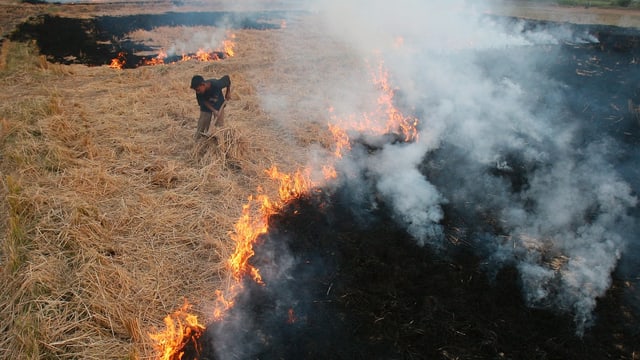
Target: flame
column 201, row 55
column 225, row 50
column 229, row 45
column 384, row 119
column 182, row 329
column 329, row 172
column 222, row 305
column 255, row 216
column 341, row 138
column 254, row 220
column 158, row 60
column 119, row 61
column 292, row 186
column 408, row 126
column 398, row 42
column 247, row 231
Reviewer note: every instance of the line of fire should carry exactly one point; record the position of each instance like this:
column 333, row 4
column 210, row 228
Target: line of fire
column 184, row 334
column 293, row 286
column 105, row 40
column 127, row 60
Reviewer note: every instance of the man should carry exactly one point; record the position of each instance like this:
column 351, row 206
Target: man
column 211, row 101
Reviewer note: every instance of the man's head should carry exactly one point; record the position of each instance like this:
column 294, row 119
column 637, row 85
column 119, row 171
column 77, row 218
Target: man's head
column 197, row 83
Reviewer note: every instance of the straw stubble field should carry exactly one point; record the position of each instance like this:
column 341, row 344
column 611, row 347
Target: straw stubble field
column 115, row 214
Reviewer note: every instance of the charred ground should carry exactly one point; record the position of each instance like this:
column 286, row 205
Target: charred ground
column 96, row 41
column 343, row 282
column 364, row 290
column 359, row 287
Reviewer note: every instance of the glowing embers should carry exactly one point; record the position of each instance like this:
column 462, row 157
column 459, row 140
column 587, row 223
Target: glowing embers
column 125, row 60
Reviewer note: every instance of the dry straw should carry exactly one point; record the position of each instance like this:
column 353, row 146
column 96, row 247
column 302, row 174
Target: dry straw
column 114, row 213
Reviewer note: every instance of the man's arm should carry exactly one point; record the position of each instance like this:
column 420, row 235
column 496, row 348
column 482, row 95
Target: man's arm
column 205, row 103
column 227, row 81
column 209, row 106
column 226, row 94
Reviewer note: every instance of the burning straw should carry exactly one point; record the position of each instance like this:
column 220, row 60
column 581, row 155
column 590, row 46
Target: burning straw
column 112, row 218
column 178, row 340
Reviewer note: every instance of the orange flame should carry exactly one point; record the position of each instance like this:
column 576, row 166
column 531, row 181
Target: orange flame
column 182, row 329
column 249, row 228
column 202, row 54
column 119, row 61
column 228, row 46
column 384, row 119
column 398, row 42
column 291, row 186
column 222, row 304
column 329, row 172
column 256, row 213
column 341, row 138
column 158, row 60
column 225, row 50
column 247, row 231
column 396, row 121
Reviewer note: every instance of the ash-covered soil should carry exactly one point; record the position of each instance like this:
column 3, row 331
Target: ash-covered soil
column 347, row 286
column 344, row 286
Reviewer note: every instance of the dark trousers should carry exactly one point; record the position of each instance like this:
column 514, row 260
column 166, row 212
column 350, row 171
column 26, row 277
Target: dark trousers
column 204, row 122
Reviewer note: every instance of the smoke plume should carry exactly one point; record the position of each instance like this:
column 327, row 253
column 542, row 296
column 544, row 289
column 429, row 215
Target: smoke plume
column 511, row 142
column 499, row 138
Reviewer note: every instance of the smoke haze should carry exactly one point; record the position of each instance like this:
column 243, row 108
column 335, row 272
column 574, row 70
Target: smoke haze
column 499, row 137
column 506, row 134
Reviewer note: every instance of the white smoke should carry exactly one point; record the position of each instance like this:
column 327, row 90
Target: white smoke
column 564, row 225
column 560, row 205
column 578, row 209
column 414, row 199
column 205, row 40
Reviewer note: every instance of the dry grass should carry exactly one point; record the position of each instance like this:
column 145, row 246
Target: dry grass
column 114, row 213
column 578, row 14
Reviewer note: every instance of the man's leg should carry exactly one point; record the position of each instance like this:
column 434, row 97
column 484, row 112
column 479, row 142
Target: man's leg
column 220, row 116
column 203, row 124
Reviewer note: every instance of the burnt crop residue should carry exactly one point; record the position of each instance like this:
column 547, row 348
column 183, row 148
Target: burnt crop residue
column 96, row 41
column 340, row 288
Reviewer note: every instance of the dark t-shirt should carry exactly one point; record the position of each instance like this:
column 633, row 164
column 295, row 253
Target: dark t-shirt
column 214, row 94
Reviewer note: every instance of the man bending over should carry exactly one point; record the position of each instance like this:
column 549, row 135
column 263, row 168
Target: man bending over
column 211, row 101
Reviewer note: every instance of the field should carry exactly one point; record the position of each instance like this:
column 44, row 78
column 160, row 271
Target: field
column 114, row 214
